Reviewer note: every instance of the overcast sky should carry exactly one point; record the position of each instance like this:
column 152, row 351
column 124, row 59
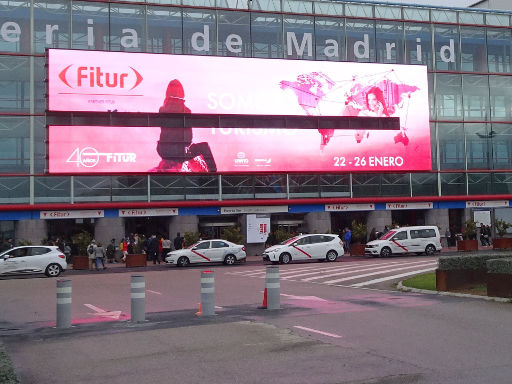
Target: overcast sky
column 451, row 3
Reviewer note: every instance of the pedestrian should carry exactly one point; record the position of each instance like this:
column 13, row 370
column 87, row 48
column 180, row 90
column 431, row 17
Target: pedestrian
column 123, row 247
column 67, row 252
column 111, row 251
column 91, row 252
column 100, row 256
column 347, row 239
column 8, row 244
column 153, row 249
column 373, row 235
column 166, row 247
column 179, row 242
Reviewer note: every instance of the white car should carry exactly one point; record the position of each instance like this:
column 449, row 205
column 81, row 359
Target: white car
column 208, row 251
column 418, row 239
column 306, row 247
column 33, row 259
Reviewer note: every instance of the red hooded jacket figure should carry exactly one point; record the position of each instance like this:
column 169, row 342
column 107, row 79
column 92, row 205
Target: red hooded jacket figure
column 175, row 145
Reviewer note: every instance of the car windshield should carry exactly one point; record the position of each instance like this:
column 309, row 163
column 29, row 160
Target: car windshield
column 193, row 245
column 387, row 235
column 286, row 242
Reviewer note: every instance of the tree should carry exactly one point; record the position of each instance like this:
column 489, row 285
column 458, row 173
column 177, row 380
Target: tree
column 82, row 241
column 359, row 231
column 501, row 227
column 470, row 229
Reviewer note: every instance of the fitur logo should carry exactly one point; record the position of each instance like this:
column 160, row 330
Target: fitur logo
column 90, row 157
column 96, row 77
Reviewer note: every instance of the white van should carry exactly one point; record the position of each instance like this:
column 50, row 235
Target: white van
column 420, row 239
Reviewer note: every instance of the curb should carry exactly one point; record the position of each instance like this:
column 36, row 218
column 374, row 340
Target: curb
column 403, row 288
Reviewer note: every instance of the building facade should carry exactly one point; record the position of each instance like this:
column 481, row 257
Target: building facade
column 467, row 53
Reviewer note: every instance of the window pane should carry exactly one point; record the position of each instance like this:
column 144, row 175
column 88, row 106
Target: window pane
column 451, row 146
column 199, row 32
column 477, row 146
column 127, row 28
column 15, row 19
column 501, row 136
column 473, row 49
column 164, row 30
column 448, row 97
column 15, row 144
column 49, row 189
column 14, row 190
column 234, row 34
column 446, row 45
column 501, row 97
column 40, row 145
column 424, row 184
column 51, row 25
column 418, row 44
column 330, row 39
column 479, row 184
column 14, row 84
column 498, row 50
column 389, row 42
column 453, row 184
column 298, row 32
column 475, row 90
column 360, row 40
column 90, row 26
column 267, row 36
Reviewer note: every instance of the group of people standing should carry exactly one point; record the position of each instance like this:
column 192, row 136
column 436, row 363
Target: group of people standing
column 155, row 247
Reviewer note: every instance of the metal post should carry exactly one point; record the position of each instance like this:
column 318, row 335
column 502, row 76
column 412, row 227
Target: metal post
column 63, row 303
column 138, row 299
column 273, row 287
column 207, row 293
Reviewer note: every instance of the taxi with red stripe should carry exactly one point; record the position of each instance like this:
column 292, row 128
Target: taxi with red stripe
column 419, row 239
column 208, row 251
column 306, row 247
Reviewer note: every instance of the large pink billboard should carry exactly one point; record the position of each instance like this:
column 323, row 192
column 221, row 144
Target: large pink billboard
column 155, row 83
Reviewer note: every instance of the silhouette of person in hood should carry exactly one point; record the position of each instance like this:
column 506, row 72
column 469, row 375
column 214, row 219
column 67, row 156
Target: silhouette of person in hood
column 175, row 145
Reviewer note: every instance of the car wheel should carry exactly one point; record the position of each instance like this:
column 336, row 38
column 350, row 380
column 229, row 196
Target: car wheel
column 430, row 250
column 285, row 258
column 53, row 270
column 229, row 259
column 331, row 256
column 385, row 252
column 183, row 261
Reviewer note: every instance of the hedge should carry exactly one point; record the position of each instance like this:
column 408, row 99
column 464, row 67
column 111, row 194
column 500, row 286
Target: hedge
column 500, row 266
column 469, row 260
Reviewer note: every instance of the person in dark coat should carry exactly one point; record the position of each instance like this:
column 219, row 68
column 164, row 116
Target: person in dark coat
column 153, row 246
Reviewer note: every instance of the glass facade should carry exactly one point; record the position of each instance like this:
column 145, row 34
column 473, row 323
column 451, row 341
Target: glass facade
column 470, row 88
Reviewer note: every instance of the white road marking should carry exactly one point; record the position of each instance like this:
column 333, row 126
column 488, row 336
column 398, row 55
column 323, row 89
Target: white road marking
column 317, row 331
column 155, row 292
column 313, row 298
column 101, row 312
column 372, row 274
column 371, row 267
column 375, row 281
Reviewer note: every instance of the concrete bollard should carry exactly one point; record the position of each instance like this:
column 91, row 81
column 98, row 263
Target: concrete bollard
column 138, row 299
column 63, row 303
column 273, row 287
column 207, row 293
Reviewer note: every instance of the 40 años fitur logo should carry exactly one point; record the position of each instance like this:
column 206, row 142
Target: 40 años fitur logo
column 89, row 157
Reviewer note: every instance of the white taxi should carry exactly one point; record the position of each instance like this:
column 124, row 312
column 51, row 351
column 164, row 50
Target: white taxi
column 306, row 247
column 208, row 251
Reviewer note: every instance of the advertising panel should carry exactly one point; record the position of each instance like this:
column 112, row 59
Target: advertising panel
column 90, row 81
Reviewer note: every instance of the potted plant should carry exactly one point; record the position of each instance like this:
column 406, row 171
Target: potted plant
column 191, row 238
column 281, row 235
column 470, row 243
column 359, row 238
column 502, row 242
column 233, row 234
column 82, row 241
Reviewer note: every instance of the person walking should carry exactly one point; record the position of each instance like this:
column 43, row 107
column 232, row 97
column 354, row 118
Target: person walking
column 178, row 242
column 347, row 239
column 166, row 247
column 111, row 251
column 100, row 256
column 153, row 249
column 91, row 252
